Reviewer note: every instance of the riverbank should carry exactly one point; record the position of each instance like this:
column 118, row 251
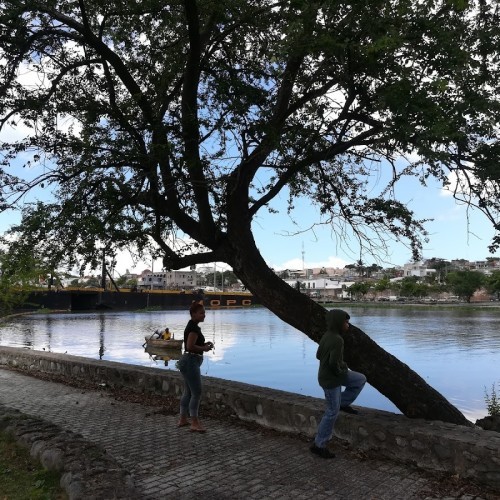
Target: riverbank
column 62, row 302
column 469, row 453
column 150, row 458
column 452, row 349
column 472, row 306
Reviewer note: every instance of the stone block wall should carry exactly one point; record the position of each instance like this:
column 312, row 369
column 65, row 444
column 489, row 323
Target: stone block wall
column 471, row 453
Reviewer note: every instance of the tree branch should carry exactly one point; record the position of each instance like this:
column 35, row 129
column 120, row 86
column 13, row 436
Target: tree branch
column 315, row 158
column 106, row 53
column 190, row 124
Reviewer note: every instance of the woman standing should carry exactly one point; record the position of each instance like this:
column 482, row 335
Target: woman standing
column 189, row 366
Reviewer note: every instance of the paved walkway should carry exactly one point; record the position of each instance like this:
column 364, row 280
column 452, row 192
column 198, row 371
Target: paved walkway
column 228, row 462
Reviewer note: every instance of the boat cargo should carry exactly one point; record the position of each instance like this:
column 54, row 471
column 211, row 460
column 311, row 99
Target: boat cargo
column 162, row 343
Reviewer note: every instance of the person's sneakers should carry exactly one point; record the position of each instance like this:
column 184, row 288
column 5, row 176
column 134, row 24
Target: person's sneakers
column 349, row 409
column 322, row 452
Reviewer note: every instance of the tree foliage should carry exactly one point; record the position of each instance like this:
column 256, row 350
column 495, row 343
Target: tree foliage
column 156, row 119
column 171, row 126
column 220, row 279
column 441, row 266
column 493, row 283
column 382, row 284
column 360, row 289
column 20, row 271
column 363, row 270
column 465, row 283
column 410, row 286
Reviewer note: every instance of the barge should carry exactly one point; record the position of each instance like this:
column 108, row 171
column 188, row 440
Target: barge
column 125, row 299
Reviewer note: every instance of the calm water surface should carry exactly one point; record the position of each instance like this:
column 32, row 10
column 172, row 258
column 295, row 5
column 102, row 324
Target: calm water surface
column 455, row 351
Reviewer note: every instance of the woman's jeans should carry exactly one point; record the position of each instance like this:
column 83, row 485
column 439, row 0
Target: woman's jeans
column 189, row 366
column 335, row 398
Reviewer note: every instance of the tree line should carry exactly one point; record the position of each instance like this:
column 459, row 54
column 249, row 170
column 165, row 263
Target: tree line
column 461, row 283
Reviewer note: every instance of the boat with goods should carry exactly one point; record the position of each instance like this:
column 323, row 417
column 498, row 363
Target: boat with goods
column 161, row 343
column 164, row 339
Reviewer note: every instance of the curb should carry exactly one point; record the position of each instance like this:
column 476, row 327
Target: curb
column 87, row 471
column 468, row 453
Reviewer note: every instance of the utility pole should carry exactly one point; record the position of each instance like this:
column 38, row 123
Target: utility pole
column 152, row 272
column 103, row 270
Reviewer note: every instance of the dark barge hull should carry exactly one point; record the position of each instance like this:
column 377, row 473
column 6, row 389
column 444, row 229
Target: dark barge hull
column 84, row 300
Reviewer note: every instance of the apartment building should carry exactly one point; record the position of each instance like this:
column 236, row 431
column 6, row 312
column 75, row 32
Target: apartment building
column 167, row 280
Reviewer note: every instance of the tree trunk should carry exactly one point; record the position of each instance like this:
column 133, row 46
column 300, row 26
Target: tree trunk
column 394, row 379
column 397, row 381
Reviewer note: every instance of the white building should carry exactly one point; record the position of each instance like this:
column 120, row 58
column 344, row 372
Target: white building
column 168, row 280
column 417, row 269
column 321, row 287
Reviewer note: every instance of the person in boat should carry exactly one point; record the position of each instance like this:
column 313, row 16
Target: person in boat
column 189, row 366
column 166, row 335
column 333, row 373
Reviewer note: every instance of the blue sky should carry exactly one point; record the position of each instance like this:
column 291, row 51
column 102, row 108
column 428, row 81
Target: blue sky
column 452, row 234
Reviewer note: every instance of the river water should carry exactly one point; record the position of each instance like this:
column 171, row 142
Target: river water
column 455, row 350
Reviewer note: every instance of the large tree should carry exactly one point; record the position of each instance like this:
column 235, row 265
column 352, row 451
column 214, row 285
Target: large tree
column 20, row 272
column 465, row 283
column 493, row 283
column 155, row 121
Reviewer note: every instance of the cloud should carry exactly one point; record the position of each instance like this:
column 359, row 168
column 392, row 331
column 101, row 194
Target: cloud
column 126, row 262
column 453, row 180
column 331, row 261
column 459, row 184
column 455, row 213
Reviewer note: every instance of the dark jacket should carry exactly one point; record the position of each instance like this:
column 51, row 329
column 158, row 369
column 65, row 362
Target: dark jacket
column 193, row 327
column 332, row 368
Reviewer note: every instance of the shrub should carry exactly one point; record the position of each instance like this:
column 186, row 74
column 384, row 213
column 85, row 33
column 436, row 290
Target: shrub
column 492, row 401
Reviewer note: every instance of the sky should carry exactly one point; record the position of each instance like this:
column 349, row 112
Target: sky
column 453, row 234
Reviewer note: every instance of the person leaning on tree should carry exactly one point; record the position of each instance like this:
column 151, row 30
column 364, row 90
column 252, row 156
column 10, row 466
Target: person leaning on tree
column 333, row 373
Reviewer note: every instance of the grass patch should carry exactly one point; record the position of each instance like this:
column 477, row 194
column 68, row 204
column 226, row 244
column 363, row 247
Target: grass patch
column 22, row 477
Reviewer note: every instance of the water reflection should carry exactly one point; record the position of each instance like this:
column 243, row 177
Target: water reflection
column 455, row 351
column 162, row 354
column 102, row 329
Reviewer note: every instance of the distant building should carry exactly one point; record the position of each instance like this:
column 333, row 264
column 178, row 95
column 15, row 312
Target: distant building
column 320, row 287
column 460, row 264
column 417, row 269
column 167, row 280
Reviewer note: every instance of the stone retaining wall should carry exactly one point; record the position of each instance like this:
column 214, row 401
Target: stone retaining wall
column 471, row 453
column 87, row 472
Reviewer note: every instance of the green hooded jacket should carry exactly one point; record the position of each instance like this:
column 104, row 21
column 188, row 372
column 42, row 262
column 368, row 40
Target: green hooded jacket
column 332, row 368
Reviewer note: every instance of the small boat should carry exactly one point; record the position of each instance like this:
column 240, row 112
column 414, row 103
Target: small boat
column 162, row 339
column 165, row 344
